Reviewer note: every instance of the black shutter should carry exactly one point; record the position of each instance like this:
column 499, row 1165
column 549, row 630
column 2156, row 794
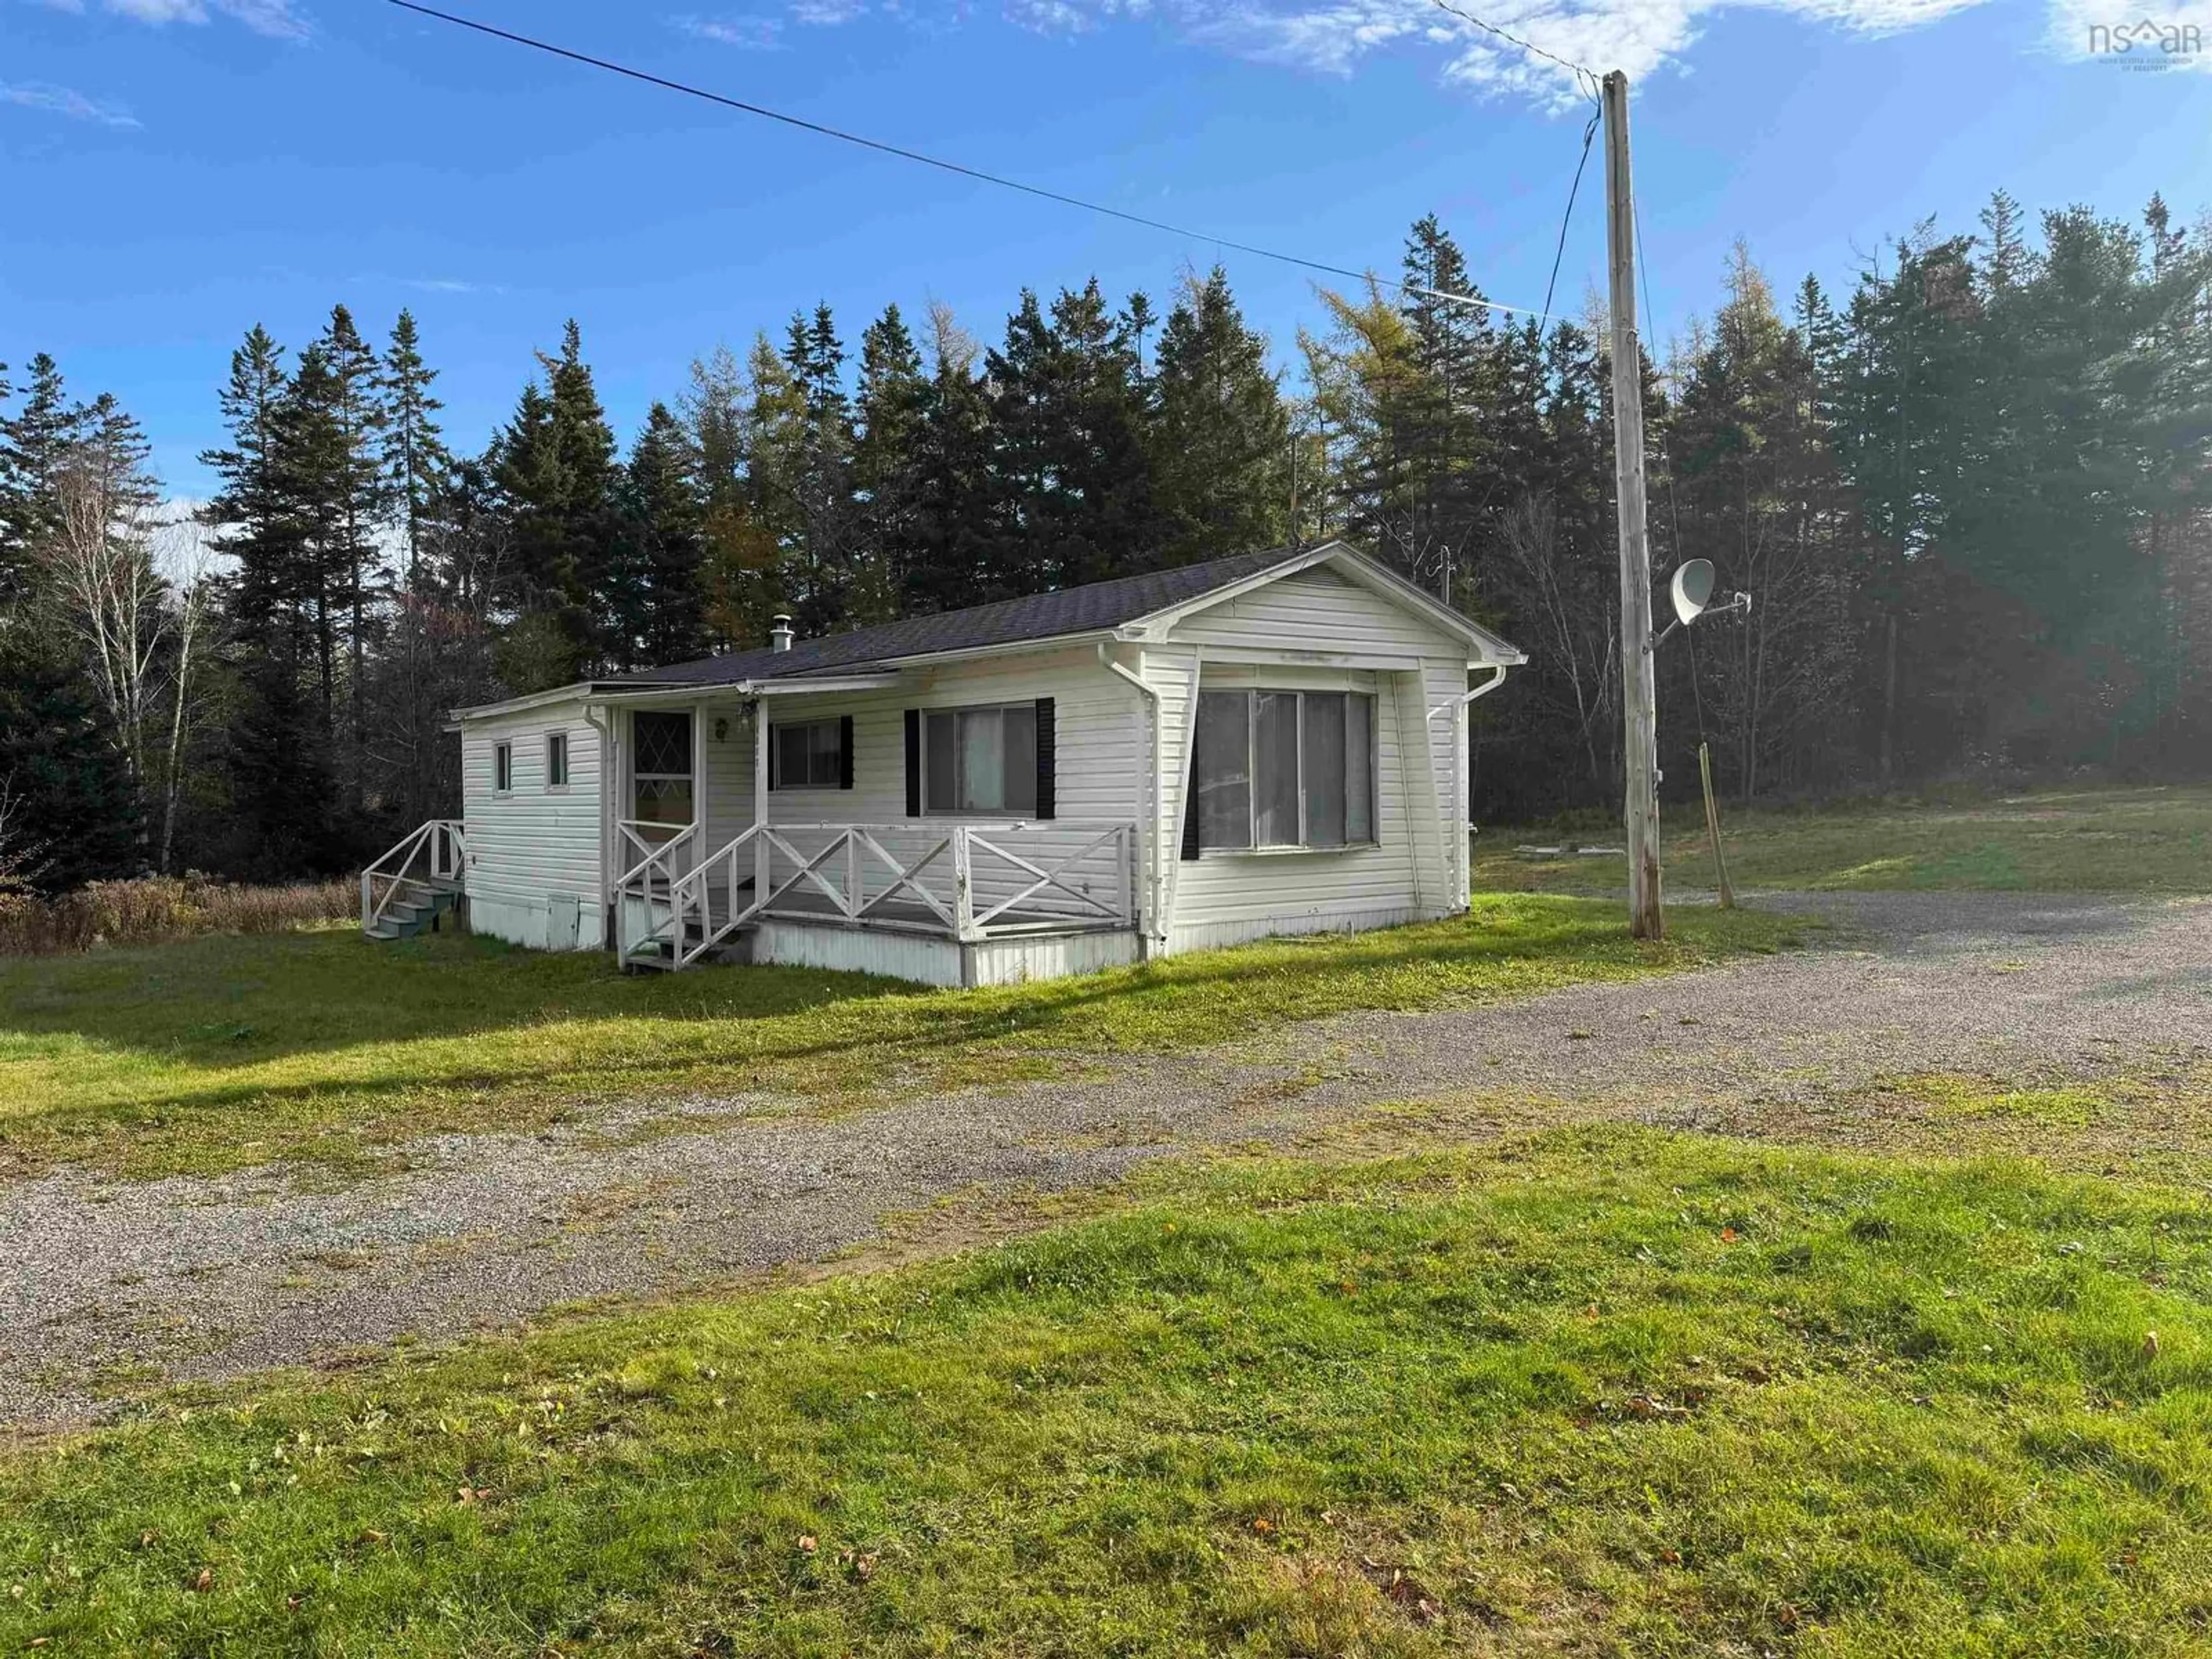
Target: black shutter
column 844, row 751
column 766, row 733
column 1190, row 798
column 1048, row 800
column 914, row 763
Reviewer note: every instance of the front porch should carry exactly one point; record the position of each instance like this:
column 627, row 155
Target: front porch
column 955, row 904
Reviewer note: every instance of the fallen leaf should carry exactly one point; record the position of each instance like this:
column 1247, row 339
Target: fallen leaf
column 1728, row 1234
column 2150, row 1345
column 1263, row 1524
column 807, row 1544
column 206, row 1579
column 1672, row 1557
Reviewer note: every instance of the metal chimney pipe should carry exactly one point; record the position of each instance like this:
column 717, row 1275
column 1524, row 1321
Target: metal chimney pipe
column 780, row 636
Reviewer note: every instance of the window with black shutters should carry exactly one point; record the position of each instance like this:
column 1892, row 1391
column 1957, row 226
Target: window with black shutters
column 980, row 760
column 807, row 754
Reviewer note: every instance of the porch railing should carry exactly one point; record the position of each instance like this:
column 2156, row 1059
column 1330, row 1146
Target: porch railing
column 430, row 858
column 969, row 881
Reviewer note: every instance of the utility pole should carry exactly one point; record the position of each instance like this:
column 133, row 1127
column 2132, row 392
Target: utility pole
column 1638, row 695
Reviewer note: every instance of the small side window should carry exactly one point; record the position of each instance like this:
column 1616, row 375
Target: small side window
column 502, row 768
column 556, row 760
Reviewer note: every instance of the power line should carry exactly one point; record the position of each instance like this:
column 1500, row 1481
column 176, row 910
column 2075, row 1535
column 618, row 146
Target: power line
column 958, row 168
column 1566, row 218
column 1586, row 79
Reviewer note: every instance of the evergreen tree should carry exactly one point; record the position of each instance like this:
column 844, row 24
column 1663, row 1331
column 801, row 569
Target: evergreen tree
column 554, row 467
column 821, row 573
column 887, row 459
column 1074, row 492
column 950, row 564
column 660, row 617
column 738, row 585
column 416, row 464
column 1221, row 435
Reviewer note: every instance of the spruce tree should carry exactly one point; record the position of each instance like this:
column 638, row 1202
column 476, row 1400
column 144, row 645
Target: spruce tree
column 886, row 466
column 414, row 455
column 1221, row 437
column 949, row 564
column 663, row 621
column 277, row 760
column 820, row 571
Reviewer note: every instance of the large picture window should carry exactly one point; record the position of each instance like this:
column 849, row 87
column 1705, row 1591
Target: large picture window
column 1284, row 770
column 807, row 754
column 980, row 760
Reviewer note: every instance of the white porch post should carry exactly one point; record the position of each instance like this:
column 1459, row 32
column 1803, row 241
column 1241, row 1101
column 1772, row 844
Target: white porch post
column 764, row 869
column 700, row 844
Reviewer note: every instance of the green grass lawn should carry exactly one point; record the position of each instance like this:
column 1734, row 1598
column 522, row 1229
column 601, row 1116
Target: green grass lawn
column 2118, row 841
column 1608, row 1389
column 217, row 1053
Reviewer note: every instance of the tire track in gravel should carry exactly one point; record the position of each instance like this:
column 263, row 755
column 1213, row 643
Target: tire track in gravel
column 114, row 1286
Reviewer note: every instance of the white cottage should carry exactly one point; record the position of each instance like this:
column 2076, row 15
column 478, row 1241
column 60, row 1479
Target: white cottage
column 1274, row 742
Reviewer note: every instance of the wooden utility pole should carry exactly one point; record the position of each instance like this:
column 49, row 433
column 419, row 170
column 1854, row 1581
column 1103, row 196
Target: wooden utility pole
column 1638, row 695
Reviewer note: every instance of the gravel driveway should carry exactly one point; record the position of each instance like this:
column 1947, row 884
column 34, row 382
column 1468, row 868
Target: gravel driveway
column 113, row 1285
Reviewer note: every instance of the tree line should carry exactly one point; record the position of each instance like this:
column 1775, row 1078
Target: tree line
column 1972, row 501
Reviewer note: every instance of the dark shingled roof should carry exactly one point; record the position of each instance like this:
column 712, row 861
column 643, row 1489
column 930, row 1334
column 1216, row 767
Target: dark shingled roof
column 1091, row 609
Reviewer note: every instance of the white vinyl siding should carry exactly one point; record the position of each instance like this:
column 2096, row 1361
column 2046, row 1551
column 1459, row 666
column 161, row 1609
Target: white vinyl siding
column 1317, row 611
column 1099, row 772
column 1276, row 638
column 535, row 847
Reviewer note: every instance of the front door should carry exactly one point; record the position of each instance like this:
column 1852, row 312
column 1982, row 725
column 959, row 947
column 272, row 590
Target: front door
column 663, row 802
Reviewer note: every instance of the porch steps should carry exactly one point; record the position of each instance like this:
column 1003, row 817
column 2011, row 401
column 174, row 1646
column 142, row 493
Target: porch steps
column 404, row 918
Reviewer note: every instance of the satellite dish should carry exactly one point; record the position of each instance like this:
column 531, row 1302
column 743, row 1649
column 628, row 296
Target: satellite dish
column 1692, row 588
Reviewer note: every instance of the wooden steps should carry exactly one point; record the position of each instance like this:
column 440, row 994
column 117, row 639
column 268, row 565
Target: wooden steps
column 416, row 912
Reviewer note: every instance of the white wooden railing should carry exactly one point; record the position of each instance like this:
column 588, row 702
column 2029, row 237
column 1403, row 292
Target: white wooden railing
column 430, row 857
column 967, row 880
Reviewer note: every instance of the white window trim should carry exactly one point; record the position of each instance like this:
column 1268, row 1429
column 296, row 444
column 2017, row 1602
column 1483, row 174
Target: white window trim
column 568, row 762
column 776, row 784
column 974, row 814
column 1252, row 693
column 502, row 760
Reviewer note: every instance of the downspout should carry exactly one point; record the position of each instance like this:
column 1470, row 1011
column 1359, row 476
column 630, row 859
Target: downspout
column 1151, row 696
column 609, row 922
column 1457, row 861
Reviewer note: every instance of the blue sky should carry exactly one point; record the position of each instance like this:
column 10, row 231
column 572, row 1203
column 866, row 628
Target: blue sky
column 176, row 170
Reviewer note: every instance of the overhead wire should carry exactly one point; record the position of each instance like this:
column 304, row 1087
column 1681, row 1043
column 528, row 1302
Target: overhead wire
column 1586, row 78
column 1573, row 190
column 961, row 169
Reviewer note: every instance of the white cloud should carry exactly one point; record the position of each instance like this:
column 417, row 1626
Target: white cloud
column 1639, row 36
column 277, row 18
column 449, row 285
column 750, row 33
column 1333, row 37
column 61, row 100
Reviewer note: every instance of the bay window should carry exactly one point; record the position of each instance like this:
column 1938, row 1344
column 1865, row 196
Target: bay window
column 1284, row 770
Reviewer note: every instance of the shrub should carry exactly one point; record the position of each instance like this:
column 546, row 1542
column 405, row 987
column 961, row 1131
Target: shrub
column 150, row 909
